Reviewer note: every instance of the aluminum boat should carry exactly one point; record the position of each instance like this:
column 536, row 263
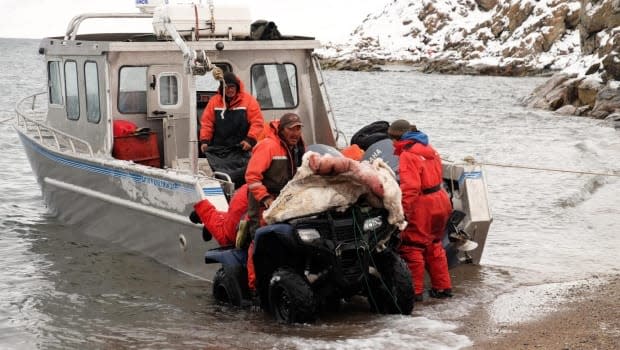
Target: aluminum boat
column 160, row 81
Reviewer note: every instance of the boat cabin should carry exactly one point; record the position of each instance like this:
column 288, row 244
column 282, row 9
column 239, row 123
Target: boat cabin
column 144, row 78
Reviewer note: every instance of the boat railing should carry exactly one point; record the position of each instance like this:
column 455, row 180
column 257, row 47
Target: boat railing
column 31, row 112
column 74, row 25
column 328, row 104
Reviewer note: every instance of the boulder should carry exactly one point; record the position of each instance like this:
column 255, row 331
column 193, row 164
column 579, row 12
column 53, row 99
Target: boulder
column 486, row 5
column 558, row 91
column 517, row 13
column 572, row 18
column 563, row 94
column 607, row 102
column 567, row 110
column 594, row 94
column 587, row 90
column 352, row 64
column 542, row 90
column 572, row 110
column 554, row 26
column 593, row 69
column 597, row 15
column 613, row 120
column 583, row 110
column 432, row 19
column 611, row 64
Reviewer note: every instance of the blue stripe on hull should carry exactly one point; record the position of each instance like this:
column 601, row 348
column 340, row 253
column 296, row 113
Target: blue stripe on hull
column 111, row 172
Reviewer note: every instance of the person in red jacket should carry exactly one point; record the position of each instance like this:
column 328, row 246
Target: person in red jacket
column 426, row 206
column 234, row 120
column 219, row 224
column 273, row 163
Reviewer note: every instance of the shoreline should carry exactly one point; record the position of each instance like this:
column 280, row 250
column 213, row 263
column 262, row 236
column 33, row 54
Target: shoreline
column 587, row 318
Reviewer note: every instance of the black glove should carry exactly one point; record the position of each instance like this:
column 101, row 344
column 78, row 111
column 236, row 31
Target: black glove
column 206, row 235
column 193, row 217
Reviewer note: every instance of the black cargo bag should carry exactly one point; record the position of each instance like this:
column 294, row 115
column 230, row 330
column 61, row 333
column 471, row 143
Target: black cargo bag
column 370, row 134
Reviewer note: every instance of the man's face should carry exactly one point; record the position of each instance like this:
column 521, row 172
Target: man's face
column 291, row 135
column 231, row 90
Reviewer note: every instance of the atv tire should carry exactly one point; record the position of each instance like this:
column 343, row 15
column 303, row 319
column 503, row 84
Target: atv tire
column 291, row 300
column 393, row 292
column 230, row 284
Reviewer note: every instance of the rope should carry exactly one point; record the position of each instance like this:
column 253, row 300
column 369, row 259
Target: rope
column 6, row 120
column 612, row 173
column 469, row 160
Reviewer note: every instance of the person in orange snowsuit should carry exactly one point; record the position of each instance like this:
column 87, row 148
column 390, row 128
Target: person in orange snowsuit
column 238, row 122
column 222, row 225
column 426, row 206
column 230, row 126
column 274, row 162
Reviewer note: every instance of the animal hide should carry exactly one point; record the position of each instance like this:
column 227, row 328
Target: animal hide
column 324, row 182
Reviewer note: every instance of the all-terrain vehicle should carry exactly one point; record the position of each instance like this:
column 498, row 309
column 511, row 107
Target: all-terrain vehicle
column 309, row 264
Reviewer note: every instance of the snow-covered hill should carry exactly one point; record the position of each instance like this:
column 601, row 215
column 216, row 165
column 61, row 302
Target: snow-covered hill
column 500, row 37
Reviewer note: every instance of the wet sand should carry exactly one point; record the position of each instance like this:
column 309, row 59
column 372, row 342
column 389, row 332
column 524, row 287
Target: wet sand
column 587, row 318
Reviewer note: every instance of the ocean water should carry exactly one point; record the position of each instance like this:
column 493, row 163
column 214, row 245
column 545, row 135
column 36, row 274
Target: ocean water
column 552, row 230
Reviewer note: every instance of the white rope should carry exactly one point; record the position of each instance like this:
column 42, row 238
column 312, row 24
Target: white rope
column 470, row 160
column 611, row 173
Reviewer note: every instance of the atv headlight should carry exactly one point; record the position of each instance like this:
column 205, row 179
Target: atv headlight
column 308, row 234
column 372, row 223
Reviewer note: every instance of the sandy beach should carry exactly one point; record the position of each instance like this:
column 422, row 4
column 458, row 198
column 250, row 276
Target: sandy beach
column 587, row 318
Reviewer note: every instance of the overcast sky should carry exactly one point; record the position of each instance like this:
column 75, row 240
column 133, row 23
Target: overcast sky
column 324, row 19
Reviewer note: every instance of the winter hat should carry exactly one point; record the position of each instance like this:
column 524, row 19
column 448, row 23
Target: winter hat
column 289, row 120
column 399, row 127
column 231, row 79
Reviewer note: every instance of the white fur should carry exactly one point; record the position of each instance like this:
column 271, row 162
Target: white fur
column 308, row 193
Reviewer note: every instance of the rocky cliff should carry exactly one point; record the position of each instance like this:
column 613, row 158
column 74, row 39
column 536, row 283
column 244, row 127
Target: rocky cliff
column 504, row 37
column 581, row 38
column 591, row 86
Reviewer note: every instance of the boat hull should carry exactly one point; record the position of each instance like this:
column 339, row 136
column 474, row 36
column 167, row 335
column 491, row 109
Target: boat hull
column 123, row 203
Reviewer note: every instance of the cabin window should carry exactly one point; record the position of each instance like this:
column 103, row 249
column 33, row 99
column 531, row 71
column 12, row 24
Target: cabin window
column 132, row 90
column 207, row 82
column 275, row 85
column 54, row 85
column 91, row 77
column 71, row 90
column 168, row 89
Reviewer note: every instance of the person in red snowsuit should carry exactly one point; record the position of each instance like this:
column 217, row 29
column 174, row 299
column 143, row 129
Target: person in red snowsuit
column 274, row 162
column 222, row 225
column 426, row 206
